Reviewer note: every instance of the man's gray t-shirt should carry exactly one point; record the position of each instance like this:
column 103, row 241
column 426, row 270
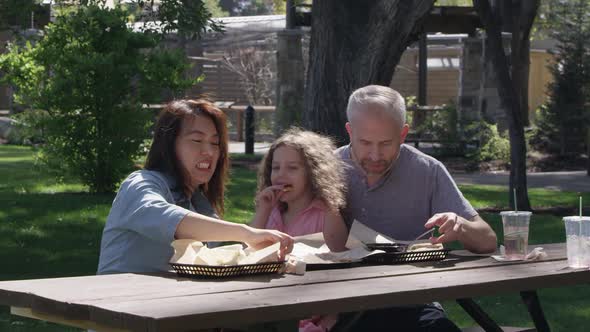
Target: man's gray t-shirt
column 415, row 188
column 142, row 223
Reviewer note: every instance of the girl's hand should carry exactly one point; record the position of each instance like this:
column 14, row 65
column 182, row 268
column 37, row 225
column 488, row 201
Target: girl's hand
column 269, row 197
column 262, row 238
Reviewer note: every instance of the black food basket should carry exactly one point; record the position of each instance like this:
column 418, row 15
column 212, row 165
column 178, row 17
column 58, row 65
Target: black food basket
column 400, row 256
column 387, row 247
column 209, row 271
column 395, row 253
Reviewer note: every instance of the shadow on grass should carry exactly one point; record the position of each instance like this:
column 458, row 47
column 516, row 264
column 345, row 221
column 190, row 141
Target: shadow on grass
column 566, row 309
column 46, row 235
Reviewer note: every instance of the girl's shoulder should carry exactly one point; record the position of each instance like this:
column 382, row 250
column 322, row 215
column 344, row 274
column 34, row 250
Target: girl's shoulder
column 318, row 204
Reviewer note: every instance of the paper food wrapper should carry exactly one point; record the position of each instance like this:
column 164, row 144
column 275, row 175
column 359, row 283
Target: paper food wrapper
column 188, row 251
column 312, row 248
column 360, row 233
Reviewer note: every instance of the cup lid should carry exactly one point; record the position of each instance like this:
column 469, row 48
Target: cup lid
column 576, row 218
column 516, row 213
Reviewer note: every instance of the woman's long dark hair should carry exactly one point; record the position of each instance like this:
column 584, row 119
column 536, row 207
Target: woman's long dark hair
column 162, row 155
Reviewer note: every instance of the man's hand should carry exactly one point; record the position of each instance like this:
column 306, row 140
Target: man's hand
column 450, row 225
column 475, row 234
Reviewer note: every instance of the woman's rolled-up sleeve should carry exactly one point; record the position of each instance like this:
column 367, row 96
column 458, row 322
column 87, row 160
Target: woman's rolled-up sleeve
column 142, row 206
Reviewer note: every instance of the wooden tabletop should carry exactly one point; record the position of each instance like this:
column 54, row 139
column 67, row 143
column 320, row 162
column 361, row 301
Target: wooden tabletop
column 168, row 303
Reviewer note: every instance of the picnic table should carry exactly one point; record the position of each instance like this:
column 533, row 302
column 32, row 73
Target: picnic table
column 165, row 302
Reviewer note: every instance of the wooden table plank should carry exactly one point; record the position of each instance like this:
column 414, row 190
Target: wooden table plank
column 283, row 303
column 26, row 312
column 127, row 286
column 75, row 297
column 60, row 295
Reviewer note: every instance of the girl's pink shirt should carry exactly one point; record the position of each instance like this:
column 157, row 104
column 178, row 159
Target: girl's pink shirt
column 308, row 221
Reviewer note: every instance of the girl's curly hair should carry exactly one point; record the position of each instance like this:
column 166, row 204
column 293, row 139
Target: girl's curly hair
column 324, row 169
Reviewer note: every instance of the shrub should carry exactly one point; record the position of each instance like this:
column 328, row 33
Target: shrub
column 92, row 74
column 492, row 145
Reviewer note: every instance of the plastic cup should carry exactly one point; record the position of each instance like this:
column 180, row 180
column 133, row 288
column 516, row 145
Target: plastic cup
column 585, row 235
column 516, row 233
column 577, row 234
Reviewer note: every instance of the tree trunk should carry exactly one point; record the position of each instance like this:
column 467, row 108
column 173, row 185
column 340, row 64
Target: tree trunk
column 509, row 91
column 517, row 18
column 353, row 44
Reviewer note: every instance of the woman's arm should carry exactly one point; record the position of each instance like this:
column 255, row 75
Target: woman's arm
column 335, row 232
column 202, row 228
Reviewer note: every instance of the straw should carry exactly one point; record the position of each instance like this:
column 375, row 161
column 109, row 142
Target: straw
column 515, row 205
column 580, row 206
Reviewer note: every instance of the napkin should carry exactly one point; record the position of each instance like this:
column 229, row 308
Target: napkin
column 294, row 265
column 536, row 254
column 360, row 233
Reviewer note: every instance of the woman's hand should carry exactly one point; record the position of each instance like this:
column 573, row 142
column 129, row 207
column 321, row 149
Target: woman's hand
column 268, row 197
column 262, row 238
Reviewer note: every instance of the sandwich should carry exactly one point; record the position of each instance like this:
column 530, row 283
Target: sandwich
column 425, row 246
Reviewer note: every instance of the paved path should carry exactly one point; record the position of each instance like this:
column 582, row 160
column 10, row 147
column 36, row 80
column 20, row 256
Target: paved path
column 576, row 181
column 240, row 147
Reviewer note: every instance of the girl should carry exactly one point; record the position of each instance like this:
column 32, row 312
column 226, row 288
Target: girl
column 301, row 188
column 178, row 194
column 300, row 191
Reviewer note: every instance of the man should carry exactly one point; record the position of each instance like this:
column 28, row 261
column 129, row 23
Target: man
column 400, row 192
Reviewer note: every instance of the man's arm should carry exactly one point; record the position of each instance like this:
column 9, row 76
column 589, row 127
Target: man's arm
column 475, row 234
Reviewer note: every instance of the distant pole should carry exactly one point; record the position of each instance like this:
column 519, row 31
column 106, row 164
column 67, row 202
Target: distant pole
column 588, row 150
column 290, row 14
column 250, row 130
column 422, row 69
column 419, row 114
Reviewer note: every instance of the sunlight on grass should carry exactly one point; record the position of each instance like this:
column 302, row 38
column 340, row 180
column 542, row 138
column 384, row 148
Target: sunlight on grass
column 32, row 232
column 482, row 196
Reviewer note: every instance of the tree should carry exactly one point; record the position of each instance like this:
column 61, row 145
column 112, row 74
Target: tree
column 91, row 73
column 353, row 44
column 214, row 8
column 518, row 17
column 564, row 119
column 254, row 67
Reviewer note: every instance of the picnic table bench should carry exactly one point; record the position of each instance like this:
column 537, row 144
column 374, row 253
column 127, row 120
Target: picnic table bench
column 165, row 302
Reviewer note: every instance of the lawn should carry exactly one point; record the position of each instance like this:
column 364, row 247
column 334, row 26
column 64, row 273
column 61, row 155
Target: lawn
column 51, row 228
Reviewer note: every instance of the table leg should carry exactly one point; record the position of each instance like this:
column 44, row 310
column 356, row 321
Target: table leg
column 477, row 313
column 531, row 300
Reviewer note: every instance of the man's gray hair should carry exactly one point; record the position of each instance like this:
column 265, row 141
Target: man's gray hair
column 388, row 99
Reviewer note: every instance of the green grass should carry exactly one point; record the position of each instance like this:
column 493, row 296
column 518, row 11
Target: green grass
column 52, row 228
column 497, row 196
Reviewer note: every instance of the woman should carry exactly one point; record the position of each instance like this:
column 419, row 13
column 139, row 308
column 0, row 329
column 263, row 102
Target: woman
column 178, row 194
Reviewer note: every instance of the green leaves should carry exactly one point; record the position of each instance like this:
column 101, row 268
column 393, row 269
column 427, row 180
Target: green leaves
column 92, row 74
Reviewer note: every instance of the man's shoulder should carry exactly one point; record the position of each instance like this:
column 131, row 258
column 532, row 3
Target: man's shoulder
column 343, row 152
column 417, row 158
